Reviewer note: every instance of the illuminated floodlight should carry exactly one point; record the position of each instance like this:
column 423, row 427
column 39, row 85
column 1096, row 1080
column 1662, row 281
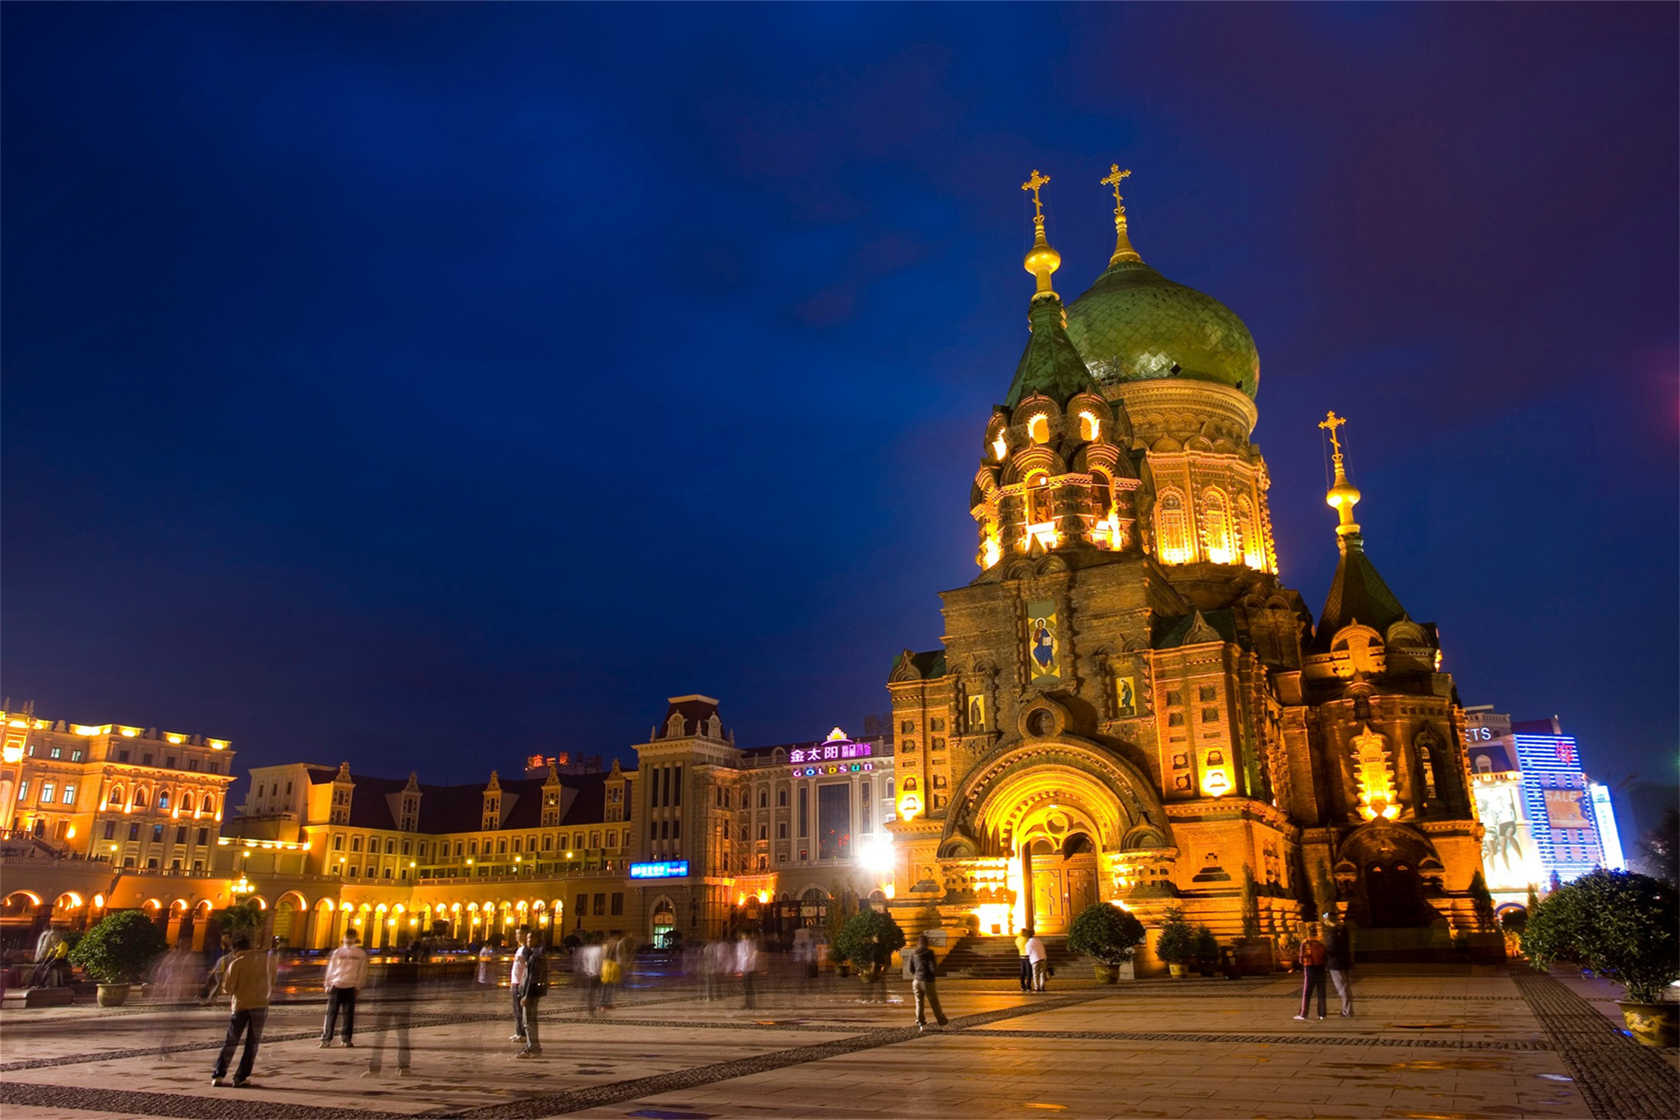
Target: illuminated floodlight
column 876, row 854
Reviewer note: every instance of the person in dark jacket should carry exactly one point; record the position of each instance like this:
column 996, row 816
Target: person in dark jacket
column 1338, row 959
column 922, row 964
column 531, row 991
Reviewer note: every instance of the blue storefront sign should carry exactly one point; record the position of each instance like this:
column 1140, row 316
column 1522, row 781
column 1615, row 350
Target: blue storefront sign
column 665, row 869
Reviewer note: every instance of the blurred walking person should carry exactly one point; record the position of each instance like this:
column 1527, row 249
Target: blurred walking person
column 590, row 956
column 531, row 991
column 245, row 982
column 1026, row 965
column 346, row 975
column 719, row 963
column 396, row 1007
column 612, row 969
column 213, row 982
column 921, row 969
column 1338, row 958
column 746, row 963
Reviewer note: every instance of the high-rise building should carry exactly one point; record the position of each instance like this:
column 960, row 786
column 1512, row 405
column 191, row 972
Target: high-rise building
column 1558, row 801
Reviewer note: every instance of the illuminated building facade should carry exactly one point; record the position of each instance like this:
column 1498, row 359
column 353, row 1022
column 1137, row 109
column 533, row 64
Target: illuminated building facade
column 1510, row 858
column 703, row 835
column 101, row 816
column 1129, row 704
column 1558, row 798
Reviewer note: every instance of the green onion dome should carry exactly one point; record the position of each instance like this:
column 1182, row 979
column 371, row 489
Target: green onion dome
column 1135, row 324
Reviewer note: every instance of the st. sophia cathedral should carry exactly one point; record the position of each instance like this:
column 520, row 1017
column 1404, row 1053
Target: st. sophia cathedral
column 1130, row 704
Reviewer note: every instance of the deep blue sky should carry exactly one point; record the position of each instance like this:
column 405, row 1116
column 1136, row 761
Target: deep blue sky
column 424, row 385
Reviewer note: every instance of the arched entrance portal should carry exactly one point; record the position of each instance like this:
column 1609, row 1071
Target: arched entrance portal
column 1058, row 880
column 1050, row 811
column 1387, row 867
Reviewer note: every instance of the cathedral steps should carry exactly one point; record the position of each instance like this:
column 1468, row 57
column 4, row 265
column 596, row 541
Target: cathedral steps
column 994, row 958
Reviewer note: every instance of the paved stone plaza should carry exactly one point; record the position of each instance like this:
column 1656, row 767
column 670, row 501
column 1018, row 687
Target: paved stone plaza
column 1427, row 1042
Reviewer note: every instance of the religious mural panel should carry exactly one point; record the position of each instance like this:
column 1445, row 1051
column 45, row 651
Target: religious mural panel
column 1044, row 642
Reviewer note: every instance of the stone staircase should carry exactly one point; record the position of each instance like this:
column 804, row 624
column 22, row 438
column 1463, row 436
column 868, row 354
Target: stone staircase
column 979, row 957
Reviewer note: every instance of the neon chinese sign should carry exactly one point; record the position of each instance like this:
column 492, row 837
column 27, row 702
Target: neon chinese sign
column 831, row 751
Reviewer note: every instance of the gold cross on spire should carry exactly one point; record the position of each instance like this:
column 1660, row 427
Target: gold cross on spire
column 1032, row 184
column 1123, row 250
column 1342, row 495
column 1114, row 178
column 1330, row 423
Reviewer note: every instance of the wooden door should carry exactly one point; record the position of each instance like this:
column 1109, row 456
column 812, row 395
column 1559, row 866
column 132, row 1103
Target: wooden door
column 1081, row 884
column 1049, row 895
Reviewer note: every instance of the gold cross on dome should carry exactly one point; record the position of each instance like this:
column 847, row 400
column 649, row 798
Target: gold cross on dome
column 1113, row 179
column 1032, row 184
column 1330, row 423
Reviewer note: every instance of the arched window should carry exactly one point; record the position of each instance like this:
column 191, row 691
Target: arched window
column 1038, row 498
column 764, row 799
column 1172, row 530
column 1216, row 527
column 163, row 799
column 1038, row 429
column 1103, row 491
column 1249, row 539
column 1089, row 425
column 114, row 799
column 186, row 803
column 142, row 797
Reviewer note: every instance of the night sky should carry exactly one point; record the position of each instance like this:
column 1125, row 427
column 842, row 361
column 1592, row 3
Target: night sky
column 428, row 385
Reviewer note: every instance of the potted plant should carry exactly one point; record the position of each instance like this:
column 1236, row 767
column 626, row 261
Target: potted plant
column 117, row 952
column 1207, row 951
column 840, row 911
column 1177, row 946
column 1622, row 925
column 868, row 940
column 1108, row 935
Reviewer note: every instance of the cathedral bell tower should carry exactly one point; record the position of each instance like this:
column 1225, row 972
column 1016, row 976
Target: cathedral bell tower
column 1055, row 471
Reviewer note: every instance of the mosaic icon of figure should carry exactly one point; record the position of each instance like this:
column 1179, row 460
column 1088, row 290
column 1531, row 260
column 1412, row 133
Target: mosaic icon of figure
column 1044, row 644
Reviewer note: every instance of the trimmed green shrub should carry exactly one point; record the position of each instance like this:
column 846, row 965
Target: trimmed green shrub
column 1207, row 947
column 1620, row 924
column 868, row 940
column 120, row 948
column 1178, row 938
column 1106, row 933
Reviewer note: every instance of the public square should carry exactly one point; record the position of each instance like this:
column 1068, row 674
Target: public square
column 1425, row 1042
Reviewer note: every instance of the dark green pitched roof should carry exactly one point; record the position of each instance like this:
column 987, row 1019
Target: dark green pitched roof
column 1049, row 366
column 1193, row 628
column 927, row 665
column 1357, row 593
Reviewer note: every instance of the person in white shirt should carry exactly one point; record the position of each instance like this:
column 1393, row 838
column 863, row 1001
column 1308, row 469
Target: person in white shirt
column 346, row 972
column 591, row 955
column 1040, row 961
column 746, row 963
column 516, row 978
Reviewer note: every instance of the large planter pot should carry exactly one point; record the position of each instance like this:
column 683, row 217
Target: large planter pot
column 1177, row 970
column 1652, row 1024
column 1106, row 973
column 113, row 995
